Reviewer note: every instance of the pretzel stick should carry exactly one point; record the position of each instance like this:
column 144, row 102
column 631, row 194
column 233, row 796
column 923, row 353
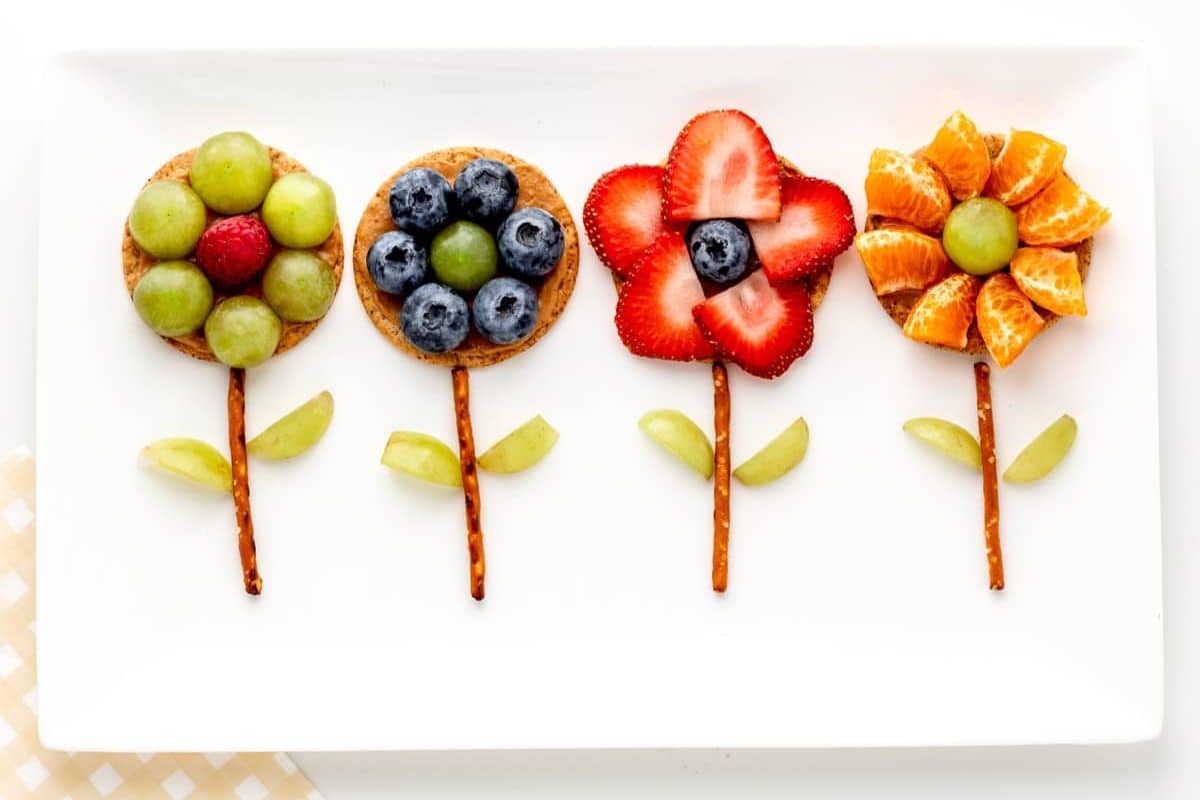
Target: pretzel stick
column 991, row 492
column 241, row 480
column 720, row 562
column 470, row 480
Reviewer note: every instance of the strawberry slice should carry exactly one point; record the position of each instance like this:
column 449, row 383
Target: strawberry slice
column 722, row 165
column 817, row 223
column 654, row 311
column 763, row 328
column 623, row 215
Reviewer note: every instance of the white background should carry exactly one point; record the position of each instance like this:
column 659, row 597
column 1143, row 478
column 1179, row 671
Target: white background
column 1162, row 769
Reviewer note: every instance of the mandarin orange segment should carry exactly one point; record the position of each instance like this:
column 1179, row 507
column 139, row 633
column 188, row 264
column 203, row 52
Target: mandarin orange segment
column 1007, row 320
column 1025, row 165
column 944, row 313
column 1061, row 214
column 961, row 155
column 902, row 187
column 1050, row 278
column 901, row 257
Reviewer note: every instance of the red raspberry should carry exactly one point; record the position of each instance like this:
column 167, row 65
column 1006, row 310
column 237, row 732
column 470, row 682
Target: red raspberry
column 233, row 250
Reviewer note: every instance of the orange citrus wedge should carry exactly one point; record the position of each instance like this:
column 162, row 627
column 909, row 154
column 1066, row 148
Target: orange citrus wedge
column 1025, row 165
column 944, row 313
column 1007, row 320
column 901, row 257
column 902, row 187
column 961, row 155
column 1050, row 278
column 1061, row 214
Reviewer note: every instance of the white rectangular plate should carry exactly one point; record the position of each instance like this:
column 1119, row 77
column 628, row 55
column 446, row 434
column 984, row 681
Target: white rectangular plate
column 858, row 613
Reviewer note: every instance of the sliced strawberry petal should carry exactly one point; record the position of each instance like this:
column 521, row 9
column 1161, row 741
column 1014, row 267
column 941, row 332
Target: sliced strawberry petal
column 722, row 165
column 762, row 328
column 817, row 224
column 623, row 215
column 654, row 311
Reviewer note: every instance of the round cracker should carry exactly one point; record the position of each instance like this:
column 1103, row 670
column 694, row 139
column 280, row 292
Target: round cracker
column 898, row 305
column 535, row 190
column 136, row 261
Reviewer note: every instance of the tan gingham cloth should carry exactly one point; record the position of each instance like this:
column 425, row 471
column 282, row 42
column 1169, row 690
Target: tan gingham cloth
column 29, row 771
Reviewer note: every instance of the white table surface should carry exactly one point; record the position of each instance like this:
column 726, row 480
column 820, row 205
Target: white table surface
column 1166, row 768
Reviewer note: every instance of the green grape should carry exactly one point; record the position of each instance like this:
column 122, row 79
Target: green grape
column 167, row 219
column 296, row 431
column 191, row 459
column 232, row 172
column 980, row 235
column 299, row 285
column 777, row 458
column 422, row 456
column 681, row 437
column 521, row 449
column 463, row 256
column 300, row 210
column 1044, row 453
column 947, row 438
column 173, row 298
column 242, row 331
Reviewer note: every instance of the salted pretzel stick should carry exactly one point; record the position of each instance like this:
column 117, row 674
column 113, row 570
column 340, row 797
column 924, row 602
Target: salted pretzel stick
column 720, row 564
column 991, row 492
column 241, row 480
column 470, row 479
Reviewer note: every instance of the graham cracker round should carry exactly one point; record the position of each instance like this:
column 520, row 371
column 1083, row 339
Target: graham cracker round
column 136, row 262
column 899, row 304
column 534, row 190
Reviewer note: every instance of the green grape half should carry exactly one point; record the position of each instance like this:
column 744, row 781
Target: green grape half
column 521, row 449
column 777, row 458
column 295, row 432
column 463, row 256
column 299, row 285
column 242, row 331
column 232, row 172
column 980, row 235
column 681, row 437
column 947, row 438
column 192, row 460
column 300, row 211
column 1044, row 453
column 173, row 298
column 422, row 456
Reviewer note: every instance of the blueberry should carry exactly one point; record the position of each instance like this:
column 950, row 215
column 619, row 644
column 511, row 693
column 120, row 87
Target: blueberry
column 434, row 318
column 530, row 243
column 486, row 190
column 720, row 250
column 505, row 310
column 398, row 263
column 421, row 201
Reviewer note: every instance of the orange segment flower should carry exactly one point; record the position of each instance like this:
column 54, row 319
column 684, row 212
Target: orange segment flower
column 961, row 155
column 945, row 312
column 1026, row 164
column 1050, row 278
column 1007, row 320
column 902, row 187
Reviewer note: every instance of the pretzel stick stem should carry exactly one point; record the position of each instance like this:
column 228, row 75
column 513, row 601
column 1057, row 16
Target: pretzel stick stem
column 991, row 491
column 720, row 558
column 241, row 480
column 470, row 478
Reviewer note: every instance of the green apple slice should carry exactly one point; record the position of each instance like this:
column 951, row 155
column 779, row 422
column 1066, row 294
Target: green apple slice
column 192, row 460
column 1043, row 454
column 947, row 438
column 296, row 431
column 681, row 437
column 521, row 449
column 422, row 456
column 777, row 458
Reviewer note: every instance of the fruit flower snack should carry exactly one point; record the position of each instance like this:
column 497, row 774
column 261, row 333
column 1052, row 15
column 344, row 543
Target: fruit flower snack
column 232, row 253
column 721, row 255
column 464, row 258
column 978, row 243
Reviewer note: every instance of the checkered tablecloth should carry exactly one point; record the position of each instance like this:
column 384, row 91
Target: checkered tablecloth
column 27, row 770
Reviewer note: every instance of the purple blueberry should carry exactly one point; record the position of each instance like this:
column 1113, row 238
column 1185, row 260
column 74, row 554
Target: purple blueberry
column 530, row 243
column 421, row 201
column 720, row 250
column 486, row 191
column 505, row 310
column 434, row 318
column 398, row 263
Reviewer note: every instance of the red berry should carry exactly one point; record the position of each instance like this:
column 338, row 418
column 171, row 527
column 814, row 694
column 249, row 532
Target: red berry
column 816, row 225
column 623, row 215
column 654, row 311
column 233, row 250
column 763, row 328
